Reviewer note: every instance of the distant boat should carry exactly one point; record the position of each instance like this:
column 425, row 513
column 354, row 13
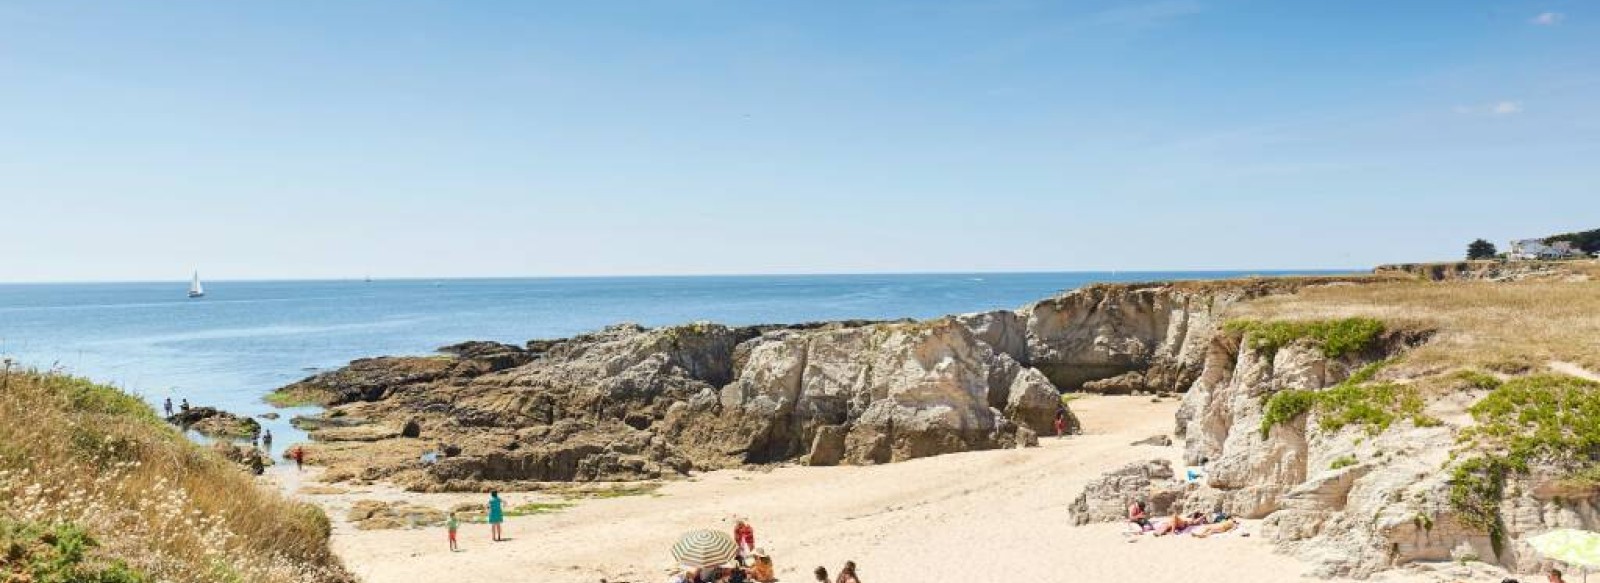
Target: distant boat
column 195, row 290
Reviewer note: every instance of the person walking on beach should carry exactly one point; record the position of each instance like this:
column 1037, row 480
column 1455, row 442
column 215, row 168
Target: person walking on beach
column 451, row 524
column 496, row 515
column 298, row 454
column 1061, row 423
column 848, row 573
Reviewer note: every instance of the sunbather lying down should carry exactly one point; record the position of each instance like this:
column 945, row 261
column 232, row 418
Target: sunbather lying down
column 1215, row 528
column 1172, row 525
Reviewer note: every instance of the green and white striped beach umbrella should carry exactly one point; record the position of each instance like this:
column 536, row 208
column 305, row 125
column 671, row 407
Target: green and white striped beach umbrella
column 1579, row 548
column 704, row 548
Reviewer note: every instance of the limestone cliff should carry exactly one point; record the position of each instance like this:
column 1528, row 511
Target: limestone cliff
column 635, row 403
column 628, row 402
column 1121, row 338
column 1359, row 479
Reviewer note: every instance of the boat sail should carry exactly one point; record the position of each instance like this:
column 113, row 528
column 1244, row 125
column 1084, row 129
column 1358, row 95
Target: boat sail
column 195, row 290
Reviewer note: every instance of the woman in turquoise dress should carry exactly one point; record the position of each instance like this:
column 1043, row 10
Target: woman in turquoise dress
column 496, row 515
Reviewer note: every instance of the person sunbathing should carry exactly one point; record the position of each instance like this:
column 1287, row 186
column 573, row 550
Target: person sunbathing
column 1173, row 525
column 1206, row 530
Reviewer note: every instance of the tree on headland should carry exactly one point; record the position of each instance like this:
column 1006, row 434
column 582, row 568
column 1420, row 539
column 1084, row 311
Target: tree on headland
column 1480, row 249
column 1588, row 241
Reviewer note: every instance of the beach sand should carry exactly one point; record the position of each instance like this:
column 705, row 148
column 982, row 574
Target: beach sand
column 980, row 516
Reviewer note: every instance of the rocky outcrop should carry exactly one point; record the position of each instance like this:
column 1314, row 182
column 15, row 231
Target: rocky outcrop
column 1107, row 498
column 1350, row 498
column 252, row 459
column 1487, row 270
column 384, row 515
column 1123, row 338
column 217, row 423
column 629, row 403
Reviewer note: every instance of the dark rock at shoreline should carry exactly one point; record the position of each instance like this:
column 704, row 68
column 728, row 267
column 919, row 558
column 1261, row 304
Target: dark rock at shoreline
column 214, row 422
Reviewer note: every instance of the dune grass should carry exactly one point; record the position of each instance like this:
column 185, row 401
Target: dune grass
column 94, row 485
column 1504, row 327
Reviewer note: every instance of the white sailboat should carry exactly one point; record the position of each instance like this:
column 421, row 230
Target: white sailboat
column 195, row 290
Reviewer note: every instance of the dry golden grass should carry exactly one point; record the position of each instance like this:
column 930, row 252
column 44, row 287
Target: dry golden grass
column 72, row 452
column 1504, row 327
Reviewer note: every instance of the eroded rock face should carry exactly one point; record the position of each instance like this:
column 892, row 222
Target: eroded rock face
column 1352, row 501
column 629, row 403
column 1149, row 337
column 1106, row 499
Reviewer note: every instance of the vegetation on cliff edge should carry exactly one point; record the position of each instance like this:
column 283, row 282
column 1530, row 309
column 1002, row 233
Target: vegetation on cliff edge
column 1356, row 401
column 95, row 487
column 1336, row 338
column 1542, row 423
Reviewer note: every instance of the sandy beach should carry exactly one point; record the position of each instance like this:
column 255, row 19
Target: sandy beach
column 980, row 516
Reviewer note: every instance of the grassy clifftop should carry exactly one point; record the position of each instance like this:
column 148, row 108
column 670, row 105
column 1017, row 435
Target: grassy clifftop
column 95, row 487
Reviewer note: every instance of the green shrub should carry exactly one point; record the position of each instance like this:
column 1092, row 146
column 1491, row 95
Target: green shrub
column 1356, row 401
column 1375, row 406
column 1477, row 380
column 1336, row 337
column 59, row 553
column 1552, row 419
column 1343, row 461
column 1285, row 406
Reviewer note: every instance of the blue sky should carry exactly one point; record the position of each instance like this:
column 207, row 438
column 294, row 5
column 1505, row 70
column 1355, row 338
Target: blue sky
column 139, row 140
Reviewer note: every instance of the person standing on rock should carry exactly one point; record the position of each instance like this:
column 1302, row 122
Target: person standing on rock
column 496, row 515
column 298, row 454
column 185, row 406
column 168, row 406
column 266, row 439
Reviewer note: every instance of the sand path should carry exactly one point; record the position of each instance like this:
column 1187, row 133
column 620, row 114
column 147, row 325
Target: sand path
column 981, row 516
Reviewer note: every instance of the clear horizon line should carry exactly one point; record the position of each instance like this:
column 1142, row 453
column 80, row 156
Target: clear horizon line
column 1265, row 270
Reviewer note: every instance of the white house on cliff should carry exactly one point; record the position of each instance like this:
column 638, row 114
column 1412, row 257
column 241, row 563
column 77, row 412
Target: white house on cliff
column 1529, row 249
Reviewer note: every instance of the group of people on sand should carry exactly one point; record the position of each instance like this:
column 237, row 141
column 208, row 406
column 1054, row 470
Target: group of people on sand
column 1198, row 524
column 751, row 563
column 846, row 575
column 496, row 511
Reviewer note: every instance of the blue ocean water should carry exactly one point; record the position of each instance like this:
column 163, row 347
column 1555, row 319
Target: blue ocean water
column 245, row 338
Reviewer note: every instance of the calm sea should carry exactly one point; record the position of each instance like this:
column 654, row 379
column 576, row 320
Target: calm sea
column 245, row 338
